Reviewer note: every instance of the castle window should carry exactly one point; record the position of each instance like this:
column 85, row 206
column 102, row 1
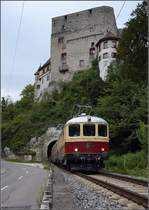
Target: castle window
column 63, row 67
column 113, row 55
column 92, row 50
column 90, row 11
column 113, row 44
column 47, row 77
column 63, row 27
column 99, row 58
column 65, row 17
column 40, row 73
column 105, row 45
column 92, row 44
column 105, row 55
column 61, row 40
column 38, row 86
column 61, row 43
column 91, row 29
column 63, row 56
column 81, row 63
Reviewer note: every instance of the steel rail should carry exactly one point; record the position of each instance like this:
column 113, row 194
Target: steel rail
column 139, row 199
column 125, row 178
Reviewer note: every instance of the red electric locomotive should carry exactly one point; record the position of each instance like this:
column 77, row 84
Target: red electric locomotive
column 83, row 143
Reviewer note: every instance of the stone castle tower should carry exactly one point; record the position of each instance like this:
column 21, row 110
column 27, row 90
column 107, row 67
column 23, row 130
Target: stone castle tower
column 74, row 37
column 74, row 41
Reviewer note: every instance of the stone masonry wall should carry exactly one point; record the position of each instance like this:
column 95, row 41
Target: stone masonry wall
column 78, row 30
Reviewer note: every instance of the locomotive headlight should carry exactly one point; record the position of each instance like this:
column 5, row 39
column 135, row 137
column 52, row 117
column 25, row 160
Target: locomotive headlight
column 102, row 149
column 76, row 149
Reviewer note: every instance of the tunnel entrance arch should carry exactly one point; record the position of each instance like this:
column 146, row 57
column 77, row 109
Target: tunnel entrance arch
column 49, row 148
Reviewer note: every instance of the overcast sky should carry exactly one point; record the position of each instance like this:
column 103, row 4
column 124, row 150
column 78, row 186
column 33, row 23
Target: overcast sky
column 34, row 40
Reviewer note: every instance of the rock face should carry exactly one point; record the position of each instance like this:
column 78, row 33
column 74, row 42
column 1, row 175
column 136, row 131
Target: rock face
column 40, row 145
column 8, row 153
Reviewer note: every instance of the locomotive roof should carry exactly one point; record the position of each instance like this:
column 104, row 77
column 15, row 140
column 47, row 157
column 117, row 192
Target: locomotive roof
column 81, row 119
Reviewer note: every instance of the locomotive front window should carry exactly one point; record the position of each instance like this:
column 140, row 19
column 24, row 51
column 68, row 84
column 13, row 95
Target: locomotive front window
column 74, row 130
column 89, row 130
column 102, row 130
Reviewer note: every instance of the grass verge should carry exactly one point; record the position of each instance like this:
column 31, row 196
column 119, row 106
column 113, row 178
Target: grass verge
column 133, row 164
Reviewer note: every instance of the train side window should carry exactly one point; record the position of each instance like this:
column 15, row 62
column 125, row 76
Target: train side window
column 102, row 130
column 89, row 130
column 74, row 130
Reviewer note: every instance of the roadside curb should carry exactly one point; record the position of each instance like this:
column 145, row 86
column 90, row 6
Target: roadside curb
column 47, row 199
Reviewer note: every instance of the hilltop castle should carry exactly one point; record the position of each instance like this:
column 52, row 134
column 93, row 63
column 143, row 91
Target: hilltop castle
column 76, row 40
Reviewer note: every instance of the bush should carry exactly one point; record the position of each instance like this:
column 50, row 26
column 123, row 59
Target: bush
column 132, row 164
column 142, row 136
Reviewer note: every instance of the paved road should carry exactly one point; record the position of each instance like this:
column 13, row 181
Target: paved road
column 21, row 185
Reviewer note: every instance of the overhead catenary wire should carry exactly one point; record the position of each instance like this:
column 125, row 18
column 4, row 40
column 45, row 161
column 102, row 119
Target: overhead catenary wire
column 10, row 79
column 121, row 9
column 118, row 14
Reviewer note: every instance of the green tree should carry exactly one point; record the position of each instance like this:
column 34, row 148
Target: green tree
column 28, row 92
column 142, row 134
column 4, row 104
column 27, row 99
column 132, row 48
column 122, row 107
column 7, row 109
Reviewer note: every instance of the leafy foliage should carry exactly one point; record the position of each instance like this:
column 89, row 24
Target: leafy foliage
column 121, row 100
column 134, row 164
column 142, row 136
column 133, row 48
column 120, row 106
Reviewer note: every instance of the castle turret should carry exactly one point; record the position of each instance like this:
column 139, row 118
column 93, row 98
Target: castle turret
column 106, row 51
column 42, row 80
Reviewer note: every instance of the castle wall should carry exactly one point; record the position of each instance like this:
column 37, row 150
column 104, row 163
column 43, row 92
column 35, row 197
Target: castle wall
column 72, row 37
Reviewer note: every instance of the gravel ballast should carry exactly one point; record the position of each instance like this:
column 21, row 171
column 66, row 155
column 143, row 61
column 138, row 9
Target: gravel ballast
column 72, row 192
column 88, row 195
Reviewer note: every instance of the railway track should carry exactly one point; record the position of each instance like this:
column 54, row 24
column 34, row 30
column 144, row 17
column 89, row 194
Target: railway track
column 131, row 179
column 131, row 188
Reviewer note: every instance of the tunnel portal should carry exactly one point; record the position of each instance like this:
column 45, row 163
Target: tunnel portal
column 49, row 148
